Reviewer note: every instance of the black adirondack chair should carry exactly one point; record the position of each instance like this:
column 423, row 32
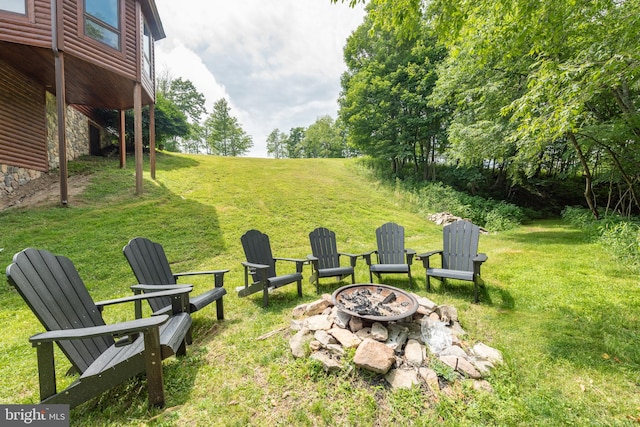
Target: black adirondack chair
column 103, row 355
column 460, row 257
column 392, row 256
column 261, row 266
column 325, row 261
column 153, row 273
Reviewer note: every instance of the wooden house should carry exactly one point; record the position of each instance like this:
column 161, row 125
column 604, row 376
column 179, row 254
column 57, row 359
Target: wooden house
column 60, row 60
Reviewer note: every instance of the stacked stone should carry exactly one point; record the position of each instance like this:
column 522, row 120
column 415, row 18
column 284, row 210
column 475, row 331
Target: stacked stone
column 396, row 350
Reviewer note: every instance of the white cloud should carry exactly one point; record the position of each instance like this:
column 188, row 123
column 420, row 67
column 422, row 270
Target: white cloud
column 181, row 61
column 277, row 62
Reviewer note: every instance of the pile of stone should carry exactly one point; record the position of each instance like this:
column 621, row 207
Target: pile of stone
column 444, row 218
column 407, row 352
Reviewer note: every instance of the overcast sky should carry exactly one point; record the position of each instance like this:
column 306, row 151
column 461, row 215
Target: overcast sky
column 277, row 62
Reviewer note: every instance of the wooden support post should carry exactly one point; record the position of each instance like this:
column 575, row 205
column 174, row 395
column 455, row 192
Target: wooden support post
column 139, row 153
column 57, row 45
column 152, row 140
column 123, row 145
column 62, row 127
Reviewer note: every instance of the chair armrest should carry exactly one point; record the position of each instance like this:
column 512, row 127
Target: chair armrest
column 480, row 258
column 218, row 276
column 178, row 305
column 314, row 261
column 195, row 273
column 304, row 261
column 409, row 253
column 367, row 256
column 183, row 290
column 149, row 287
column 428, row 254
column 299, row 262
column 118, row 329
column 352, row 257
column 254, row 266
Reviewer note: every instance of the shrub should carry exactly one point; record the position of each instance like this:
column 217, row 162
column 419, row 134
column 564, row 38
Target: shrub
column 503, row 216
column 617, row 234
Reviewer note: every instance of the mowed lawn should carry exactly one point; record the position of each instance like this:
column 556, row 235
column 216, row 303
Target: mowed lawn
column 564, row 312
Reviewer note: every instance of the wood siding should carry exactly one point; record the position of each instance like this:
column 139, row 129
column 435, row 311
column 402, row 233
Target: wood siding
column 83, row 47
column 34, row 29
column 23, row 132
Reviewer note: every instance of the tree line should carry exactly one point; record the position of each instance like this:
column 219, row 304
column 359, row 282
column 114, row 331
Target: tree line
column 527, row 90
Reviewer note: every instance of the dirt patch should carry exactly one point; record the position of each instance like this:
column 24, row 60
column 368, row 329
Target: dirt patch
column 44, row 191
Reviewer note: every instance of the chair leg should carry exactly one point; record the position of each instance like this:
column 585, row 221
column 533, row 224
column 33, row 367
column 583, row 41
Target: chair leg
column 318, row 285
column 475, row 292
column 353, row 278
column 299, row 288
column 265, row 296
column 370, row 276
column 428, row 283
column 220, row 309
column 153, row 363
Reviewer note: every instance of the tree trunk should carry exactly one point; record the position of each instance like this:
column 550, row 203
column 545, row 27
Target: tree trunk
column 588, row 191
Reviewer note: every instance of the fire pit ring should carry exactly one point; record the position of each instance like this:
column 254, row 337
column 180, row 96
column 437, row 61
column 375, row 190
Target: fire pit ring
column 378, row 303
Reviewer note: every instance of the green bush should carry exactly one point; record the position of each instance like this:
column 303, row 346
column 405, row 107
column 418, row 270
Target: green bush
column 620, row 235
column 491, row 214
column 503, row 216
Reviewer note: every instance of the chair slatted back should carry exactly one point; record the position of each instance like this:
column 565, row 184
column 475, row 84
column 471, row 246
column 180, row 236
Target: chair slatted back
column 150, row 266
column 324, row 247
column 257, row 250
column 460, row 245
column 53, row 289
column 390, row 239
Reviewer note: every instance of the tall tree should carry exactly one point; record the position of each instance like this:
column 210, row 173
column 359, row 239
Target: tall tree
column 293, row 143
column 184, row 94
column 564, row 72
column 322, row 139
column 276, row 144
column 224, row 135
column 389, row 77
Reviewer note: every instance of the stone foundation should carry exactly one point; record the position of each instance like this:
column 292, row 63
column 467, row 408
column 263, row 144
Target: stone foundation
column 12, row 177
column 77, row 127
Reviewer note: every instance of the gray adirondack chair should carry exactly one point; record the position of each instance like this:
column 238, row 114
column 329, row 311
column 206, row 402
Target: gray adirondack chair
column 392, row 256
column 325, row 258
column 153, row 273
column 260, row 267
column 103, row 355
column 460, row 257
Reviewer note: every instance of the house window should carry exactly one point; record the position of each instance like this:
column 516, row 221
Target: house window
column 15, row 6
column 146, row 49
column 102, row 21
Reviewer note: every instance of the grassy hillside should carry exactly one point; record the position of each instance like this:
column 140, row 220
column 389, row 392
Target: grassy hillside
column 564, row 313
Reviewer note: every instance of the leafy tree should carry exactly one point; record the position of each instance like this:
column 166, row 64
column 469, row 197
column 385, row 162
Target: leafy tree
column 224, row 135
column 170, row 122
column 322, row 139
column 184, row 94
column 293, row 143
column 276, row 144
column 389, row 78
column 564, row 77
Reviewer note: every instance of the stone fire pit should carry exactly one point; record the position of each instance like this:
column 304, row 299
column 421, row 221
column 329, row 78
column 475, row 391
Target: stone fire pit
column 377, row 303
column 407, row 338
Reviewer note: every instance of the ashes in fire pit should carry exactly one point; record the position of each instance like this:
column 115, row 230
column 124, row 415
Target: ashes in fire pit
column 375, row 302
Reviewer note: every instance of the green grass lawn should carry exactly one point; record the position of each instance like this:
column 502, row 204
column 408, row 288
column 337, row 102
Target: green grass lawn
column 565, row 314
